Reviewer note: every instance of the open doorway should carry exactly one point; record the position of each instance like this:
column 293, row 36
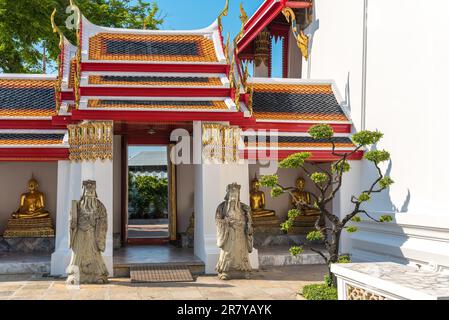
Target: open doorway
column 148, row 194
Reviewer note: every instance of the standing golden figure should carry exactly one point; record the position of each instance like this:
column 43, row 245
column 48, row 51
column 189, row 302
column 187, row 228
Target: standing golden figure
column 31, row 220
column 234, row 235
column 88, row 228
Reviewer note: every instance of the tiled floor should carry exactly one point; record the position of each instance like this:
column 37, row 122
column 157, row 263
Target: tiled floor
column 154, row 254
column 271, row 283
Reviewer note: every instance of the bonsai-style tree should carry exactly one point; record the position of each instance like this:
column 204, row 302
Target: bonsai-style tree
column 328, row 183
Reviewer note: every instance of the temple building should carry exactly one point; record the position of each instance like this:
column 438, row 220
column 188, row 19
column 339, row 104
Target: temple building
column 186, row 90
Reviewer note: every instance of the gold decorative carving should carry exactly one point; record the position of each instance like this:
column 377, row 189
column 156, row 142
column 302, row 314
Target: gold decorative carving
column 58, row 85
column 90, row 141
column 226, row 48
column 301, row 39
column 353, row 293
column 223, row 13
column 221, row 142
column 250, row 92
column 262, row 50
column 77, row 78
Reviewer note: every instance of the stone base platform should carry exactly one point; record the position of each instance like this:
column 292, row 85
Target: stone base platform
column 264, row 240
column 269, row 225
column 303, row 225
column 29, row 228
column 280, row 256
column 19, row 263
column 27, row 245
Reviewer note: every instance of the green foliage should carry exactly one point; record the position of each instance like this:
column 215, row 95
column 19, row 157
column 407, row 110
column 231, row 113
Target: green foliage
column 321, row 131
column 351, row 229
column 25, row 27
column 366, row 138
column 377, row 156
column 328, row 280
column 356, row 219
column 319, row 292
column 269, row 181
column 385, row 182
column 314, row 236
column 296, row 250
column 148, row 196
column 319, row 177
column 386, row 218
column 344, row 259
column 293, row 213
column 336, row 167
column 295, row 160
column 276, row 192
column 287, row 225
column 364, row 197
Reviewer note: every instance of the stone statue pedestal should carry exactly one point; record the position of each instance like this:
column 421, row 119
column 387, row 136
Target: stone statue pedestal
column 27, row 245
column 304, row 224
column 29, row 228
column 270, row 225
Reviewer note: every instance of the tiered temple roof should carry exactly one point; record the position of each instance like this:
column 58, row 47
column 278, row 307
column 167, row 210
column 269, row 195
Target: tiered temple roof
column 167, row 77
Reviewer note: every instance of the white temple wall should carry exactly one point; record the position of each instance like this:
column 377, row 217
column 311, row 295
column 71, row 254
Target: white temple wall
column 117, row 223
column 70, row 178
column 185, row 181
column 406, row 74
column 14, row 177
column 295, row 58
column 211, row 181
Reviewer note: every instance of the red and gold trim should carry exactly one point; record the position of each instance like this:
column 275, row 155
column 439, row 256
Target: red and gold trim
column 99, row 80
column 215, row 105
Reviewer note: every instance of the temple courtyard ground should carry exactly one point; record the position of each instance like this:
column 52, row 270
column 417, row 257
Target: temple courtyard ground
column 278, row 283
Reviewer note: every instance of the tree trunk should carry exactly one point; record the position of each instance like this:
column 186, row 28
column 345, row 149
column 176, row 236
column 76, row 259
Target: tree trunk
column 334, row 252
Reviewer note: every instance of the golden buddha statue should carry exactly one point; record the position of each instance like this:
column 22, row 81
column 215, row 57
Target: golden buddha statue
column 257, row 201
column 32, row 203
column 31, row 220
column 304, row 223
column 299, row 195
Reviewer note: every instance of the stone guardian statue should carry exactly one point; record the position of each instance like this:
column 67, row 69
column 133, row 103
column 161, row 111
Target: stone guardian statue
column 234, row 236
column 88, row 228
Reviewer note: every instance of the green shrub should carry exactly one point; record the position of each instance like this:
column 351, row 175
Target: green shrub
column 319, row 292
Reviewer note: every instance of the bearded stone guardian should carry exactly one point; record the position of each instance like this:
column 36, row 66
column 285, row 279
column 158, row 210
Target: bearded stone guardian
column 234, row 235
column 88, row 228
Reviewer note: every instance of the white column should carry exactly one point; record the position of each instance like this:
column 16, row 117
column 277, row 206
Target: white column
column 70, row 178
column 342, row 203
column 211, row 181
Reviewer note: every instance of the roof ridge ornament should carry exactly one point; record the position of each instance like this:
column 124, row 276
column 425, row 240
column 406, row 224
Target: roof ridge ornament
column 58, row 84
column 223, row 13
column 302, row 40
column 74, row 22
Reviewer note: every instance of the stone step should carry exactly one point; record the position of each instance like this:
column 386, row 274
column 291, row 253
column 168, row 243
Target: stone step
column 280, row 256
column 264, row 240
column 19, row 263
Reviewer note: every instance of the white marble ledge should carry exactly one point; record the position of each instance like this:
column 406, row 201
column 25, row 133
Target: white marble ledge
column 399, row 280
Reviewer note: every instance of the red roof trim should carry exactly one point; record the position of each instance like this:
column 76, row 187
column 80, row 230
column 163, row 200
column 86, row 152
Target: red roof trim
column 154, row 92
column 34, row 154
column 30, row 124
column 317, row 155
column 155, row 67
column 158, row 116
column 263, row 17
column 293, row 127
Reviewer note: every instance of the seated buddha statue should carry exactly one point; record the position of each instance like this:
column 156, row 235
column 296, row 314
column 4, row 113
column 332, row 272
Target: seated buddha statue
column 32, row 203
column 299, row 195
column 257, row 201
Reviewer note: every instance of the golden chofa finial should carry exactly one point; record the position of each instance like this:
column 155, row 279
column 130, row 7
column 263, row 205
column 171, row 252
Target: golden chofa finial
column 223, row 13
column 243, row 16
column 56, row 28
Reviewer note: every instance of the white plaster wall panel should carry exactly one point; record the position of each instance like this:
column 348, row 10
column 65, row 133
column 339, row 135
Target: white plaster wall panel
column 14, row 177
column 336, row 51
column 185, row 181
column 117, row 223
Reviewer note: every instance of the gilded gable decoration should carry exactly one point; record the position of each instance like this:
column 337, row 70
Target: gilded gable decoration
column 221, row 143
column 90, row 141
